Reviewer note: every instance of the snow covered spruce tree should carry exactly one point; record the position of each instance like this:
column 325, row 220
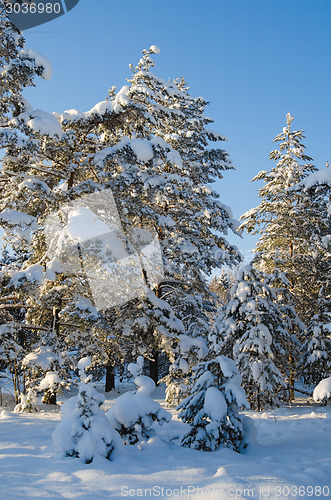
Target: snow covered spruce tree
column 77, row 158
column 251, row 330
column 293, row 325
column 285, row 220
column 85, row 431
column 212, row 409
column 316, row 358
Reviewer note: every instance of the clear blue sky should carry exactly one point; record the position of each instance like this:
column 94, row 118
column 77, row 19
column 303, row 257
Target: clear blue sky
column 254, row 60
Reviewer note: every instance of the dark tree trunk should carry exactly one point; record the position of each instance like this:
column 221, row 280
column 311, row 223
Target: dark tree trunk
column 56, row 320
column 49, row 398
column 154, row 367
column 52, row 399
column 154, row 363
column 291, row 378
column 110, row 378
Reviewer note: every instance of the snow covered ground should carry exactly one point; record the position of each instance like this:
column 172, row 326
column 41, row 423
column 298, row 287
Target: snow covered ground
column 291, row 458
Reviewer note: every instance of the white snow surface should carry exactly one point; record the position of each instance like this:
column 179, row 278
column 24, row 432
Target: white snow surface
column 215, row 405
column 142, row 149
column 130, row 407
column 322, row 390
column 15, row 217
column 42, row 357
column 84, row 224
column 227, row 365
column 155, row 49
column 145, row 385
column 99, row 109
column 39, row 121
column 318, row 178
column 84, row 363
column 44, row 123
column 291, row 450
column 243, row 289
column 136, row 368
column 51, row 379
column 33, row 273
column 40, row 61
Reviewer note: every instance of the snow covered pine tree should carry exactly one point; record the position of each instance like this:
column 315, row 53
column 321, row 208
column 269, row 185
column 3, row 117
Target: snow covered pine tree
column 180, row 205
column 44, row 168
column 116, row 146
column 19, row 67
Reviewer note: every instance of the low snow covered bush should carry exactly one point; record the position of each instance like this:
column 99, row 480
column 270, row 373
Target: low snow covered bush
column 322, row 391
column 28, row 402
column 50, row 384
column 212, row 409
column 85, row 431
column 134, row 413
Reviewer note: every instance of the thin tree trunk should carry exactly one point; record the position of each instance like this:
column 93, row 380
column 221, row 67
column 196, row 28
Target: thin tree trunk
column 16, row 383
column 154, row 366
column 291, row 378
column 71, row 180
column 290, row 359
column 110, row 378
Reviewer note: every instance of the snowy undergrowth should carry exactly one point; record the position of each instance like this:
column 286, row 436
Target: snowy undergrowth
column 84, row 430
column 292, row 450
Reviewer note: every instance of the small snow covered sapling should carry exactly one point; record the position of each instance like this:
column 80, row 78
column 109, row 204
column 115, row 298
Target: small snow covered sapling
column 134, row 413
column 212, row 409
column 45, row 366
column 50, row 384
column 28, row 402
column 85, row 431
column 255, row 360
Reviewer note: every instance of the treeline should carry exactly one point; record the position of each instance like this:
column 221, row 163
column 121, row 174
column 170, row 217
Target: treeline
column 141, row 163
